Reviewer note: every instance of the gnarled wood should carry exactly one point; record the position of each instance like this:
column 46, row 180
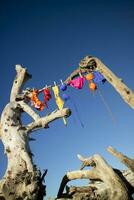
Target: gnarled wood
column 108, row 183
column 21, row 77
column 124, row 159
column 90, row 63
column 44, row 121
column 22, row 180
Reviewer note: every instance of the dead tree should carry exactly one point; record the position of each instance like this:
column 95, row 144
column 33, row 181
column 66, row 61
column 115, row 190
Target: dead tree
column 22, row 179
column 106, row 183
column 91, row 64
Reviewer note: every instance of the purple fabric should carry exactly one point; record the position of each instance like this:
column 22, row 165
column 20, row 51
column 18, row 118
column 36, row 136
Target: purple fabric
column 63, row 87
column 98, row 77
column 65, row 97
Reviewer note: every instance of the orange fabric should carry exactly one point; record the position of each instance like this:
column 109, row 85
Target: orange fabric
column 92, row 86
column 35, row 101
column 89, row 77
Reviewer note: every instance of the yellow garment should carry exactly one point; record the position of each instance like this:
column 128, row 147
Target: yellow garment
column 59, row 101
column 56, row 91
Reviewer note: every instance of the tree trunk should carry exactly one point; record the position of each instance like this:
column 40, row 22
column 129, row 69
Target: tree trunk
column 22, row 179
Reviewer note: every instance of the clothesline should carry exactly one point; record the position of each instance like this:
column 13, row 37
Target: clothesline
column 62, row 82
column 93, row 78
column 50, row 86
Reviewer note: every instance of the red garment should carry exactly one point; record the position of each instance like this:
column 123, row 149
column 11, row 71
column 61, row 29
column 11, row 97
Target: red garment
column 47, row 96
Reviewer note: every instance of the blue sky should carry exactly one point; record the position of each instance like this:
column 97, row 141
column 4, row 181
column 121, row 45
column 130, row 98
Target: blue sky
column 50, row 38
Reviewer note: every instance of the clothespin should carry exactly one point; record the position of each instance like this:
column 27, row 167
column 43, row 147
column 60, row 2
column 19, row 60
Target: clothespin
column 61, row 82
column 54, row 83
column 80, row 74
column 63, row 86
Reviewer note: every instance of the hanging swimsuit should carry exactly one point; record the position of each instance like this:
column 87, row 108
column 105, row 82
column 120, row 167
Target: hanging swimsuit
column 77, row 83
column 47, row 96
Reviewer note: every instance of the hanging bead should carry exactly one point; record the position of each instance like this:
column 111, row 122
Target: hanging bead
column 92, row 86
column 63, row 87
column 65, row 97
column 89, row 77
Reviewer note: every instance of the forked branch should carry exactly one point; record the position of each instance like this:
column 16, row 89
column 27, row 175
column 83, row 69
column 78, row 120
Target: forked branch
column 26, row 108
column 73, row 175
column 90, row 64
column 101, row 171
column 21, row 77
column 44, row 121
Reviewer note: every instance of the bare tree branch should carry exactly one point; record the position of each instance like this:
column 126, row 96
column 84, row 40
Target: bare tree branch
column 79, row 174
column 84, row 69
column 75, row 73
column 116, row 82
column 124, row 159
column 101, row 171
column 21, row 77
column 25, row 95
column 90, row 64
column 0, row 128
column 44, row 121
column 26, row 108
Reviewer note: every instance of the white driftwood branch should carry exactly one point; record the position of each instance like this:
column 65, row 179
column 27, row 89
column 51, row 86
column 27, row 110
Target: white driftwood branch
column 124, row 159
column 90, row 64
column 81, row 174
column 101, row 171
column 21, row 77
column 73, row 175
column 44, row 121
column 26, row 108
column 116, row 82
column 104, row 171
column 85, row 161
column 25, row 95
column 0, row 128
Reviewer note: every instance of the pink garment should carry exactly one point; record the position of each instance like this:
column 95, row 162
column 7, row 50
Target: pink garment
column 77, row 83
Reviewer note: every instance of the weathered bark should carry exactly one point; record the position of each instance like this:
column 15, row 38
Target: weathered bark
column 105, row 182
column 22, row 179
column 90, row 64
column 124, row 159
